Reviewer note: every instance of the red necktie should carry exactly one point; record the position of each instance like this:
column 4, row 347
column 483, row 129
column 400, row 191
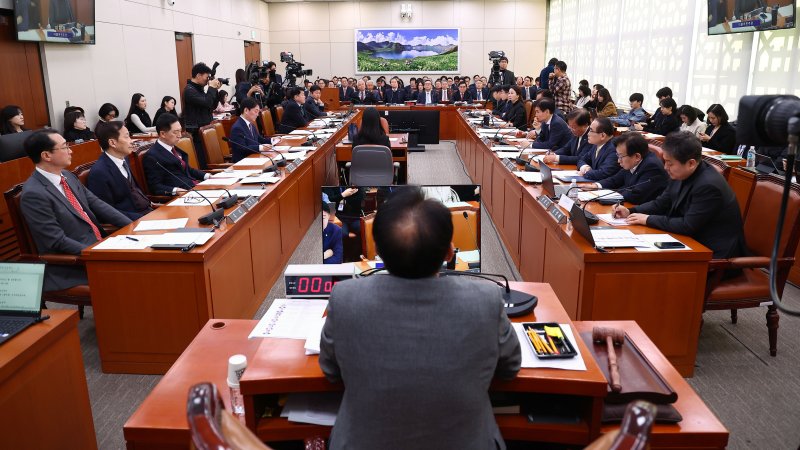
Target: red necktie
column 178, row 155
column 77, row 206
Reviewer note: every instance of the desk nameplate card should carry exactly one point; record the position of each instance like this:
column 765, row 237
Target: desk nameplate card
column 249, row 202
column 236, row 214
column 557, row 214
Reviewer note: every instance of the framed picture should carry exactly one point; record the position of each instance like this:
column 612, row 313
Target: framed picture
column 407, row 50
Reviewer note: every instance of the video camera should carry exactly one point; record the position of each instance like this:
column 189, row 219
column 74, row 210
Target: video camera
column 494, row 57
column 225, row 81
column 294, row 69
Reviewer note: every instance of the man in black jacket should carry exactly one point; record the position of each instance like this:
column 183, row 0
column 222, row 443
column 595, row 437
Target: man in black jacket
column 642, row 176
column 198, row 106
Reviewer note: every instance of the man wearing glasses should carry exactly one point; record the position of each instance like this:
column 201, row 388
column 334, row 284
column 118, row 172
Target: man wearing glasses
column 599, row 161
column 640, row 168
column 166, row 167
column 62, row 215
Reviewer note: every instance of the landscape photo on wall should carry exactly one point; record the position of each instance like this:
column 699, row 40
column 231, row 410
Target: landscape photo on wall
column 407, row 50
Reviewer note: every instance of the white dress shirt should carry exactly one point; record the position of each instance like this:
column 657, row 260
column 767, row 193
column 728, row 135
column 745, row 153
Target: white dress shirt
column 53, row 178
column 119, row 163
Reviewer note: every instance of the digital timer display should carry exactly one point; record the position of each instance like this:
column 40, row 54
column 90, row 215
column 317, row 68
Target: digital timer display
column 312, row 285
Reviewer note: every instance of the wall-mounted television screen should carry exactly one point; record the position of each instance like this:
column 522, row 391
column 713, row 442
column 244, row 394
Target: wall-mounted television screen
column 60, row 21
column 347, row 226
column 743, row 16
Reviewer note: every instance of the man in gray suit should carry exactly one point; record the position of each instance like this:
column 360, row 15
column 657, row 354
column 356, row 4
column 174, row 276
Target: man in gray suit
column 416, row 352
column 62, row 215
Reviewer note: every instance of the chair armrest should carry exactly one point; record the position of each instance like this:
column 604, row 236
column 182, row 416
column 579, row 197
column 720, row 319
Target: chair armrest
column 61, row 260
column 747, row 262
column 110, row 229
column 160, row 199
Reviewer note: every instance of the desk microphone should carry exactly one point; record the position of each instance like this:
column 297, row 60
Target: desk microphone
column 495, row 138
column 517, row 303
column 474, row 240
column 216, row 214
column 274, row 165
column 613, row 191
column 311, row 140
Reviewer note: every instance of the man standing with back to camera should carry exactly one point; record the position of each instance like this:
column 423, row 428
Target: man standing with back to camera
column 198, row 106
column 416, row 352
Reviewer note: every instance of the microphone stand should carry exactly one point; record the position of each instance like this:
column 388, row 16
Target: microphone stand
column 214, row 217
column 517, row 303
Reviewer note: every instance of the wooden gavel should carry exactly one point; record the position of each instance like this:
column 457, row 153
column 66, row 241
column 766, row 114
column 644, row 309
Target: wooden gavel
column 612, row 337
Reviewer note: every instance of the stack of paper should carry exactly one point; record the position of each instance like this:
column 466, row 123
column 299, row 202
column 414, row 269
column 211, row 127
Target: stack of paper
column 318, row 408
column 219, row 182
column 457, row 204
column 530, row 177
column 609, row 219
column 169, row 224
column 142, row 241
column 252, row 162
column 500, row 148
column 263, row 178
column 314, row 335
column 235, row 173
column 615, row 238
column 510, row 155
column 289, row 318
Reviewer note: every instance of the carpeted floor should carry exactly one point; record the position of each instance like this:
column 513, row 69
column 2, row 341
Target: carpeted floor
column 754, row 395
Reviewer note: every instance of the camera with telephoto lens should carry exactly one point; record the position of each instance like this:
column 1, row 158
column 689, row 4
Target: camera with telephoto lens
column 225, row 81
column 294, row 68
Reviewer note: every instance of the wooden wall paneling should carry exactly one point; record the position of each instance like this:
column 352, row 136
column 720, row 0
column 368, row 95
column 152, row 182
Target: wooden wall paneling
column 498, row 191
column 265, row 239
column 532, row 241
column 742, row 182
column 512, row 216
column 486, row 183
column 291, row 233
column 184, row 51
column 230, row 276
column 308, row 198
column 21, row 72
column 562, row 271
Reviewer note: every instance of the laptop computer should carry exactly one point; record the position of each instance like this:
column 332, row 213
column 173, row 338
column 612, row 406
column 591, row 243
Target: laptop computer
column 20, row 297
column 551, row 189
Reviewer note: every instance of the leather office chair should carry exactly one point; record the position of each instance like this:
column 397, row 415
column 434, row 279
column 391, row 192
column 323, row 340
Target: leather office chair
column 267, row 124
column 372, row 166
column 719, row 165
column 186, row 144
column 279, row 113
column 137, row 168
column 657, row 150
column 77, row 295
column 211, row 144
column 223, row 146
column 528, row 112
column 82, row 172
column 751, row 288
column 367, row 241
column 466, row 232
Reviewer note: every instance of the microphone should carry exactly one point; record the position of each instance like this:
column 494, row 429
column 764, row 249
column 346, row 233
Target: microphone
column 517, row 303
column 474, row 239
column 212, row 218
column 271, row 168
column 495, row 138
column 310, row 141
column 613, row 191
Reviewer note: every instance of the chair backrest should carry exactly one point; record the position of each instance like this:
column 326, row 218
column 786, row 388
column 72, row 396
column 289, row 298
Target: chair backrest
column 279, row 113
column 657, row 150
column 372, row 166
column 186, row 144
column 267, row 125
column 211, row 144
column 211, row 427
column 528, row 112
column 223, row 146
column 761, row 218
column 137, row 168
column 367, row 241
column 465, row 231
column 82, row 172
column 27, row 246
column 719, row 165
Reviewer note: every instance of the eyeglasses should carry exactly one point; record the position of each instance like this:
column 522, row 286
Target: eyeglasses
column 63, row 147
column 621, row 156
column 593, row 131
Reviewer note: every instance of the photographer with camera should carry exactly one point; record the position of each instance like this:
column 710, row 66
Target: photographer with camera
column 500, row 75
column 199, row 104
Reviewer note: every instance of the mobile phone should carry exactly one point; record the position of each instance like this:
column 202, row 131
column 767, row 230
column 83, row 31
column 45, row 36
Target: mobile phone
column 669, row 244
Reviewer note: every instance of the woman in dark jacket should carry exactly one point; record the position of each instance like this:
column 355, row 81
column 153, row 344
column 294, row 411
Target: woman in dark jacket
column 666, row 122
column 75, row 128
column 138, row 120
column 719, row 134
column 371, row 131
column 516, row 113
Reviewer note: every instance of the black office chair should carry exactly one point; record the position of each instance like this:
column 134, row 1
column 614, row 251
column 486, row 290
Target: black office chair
column 371, row 166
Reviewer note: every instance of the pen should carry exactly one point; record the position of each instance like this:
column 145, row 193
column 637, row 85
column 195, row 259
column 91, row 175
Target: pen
column 133, row 239
column 614, row 210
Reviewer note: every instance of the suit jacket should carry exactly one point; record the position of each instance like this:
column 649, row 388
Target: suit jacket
column 603, row 164
column 159, row 180
column 243, row 141
column 516, row 115
column 484, row 93
column 390, row 96
column 345, row 94
column 456, row 97
column 507, row 78
column 500, row 106
column 450, row 92
column 556, row 135
column 724, row 140
column 294, row 116
column 313, row 110
column 57, row 228
column 398, row 377
column 544, row 76
column 651, row 168
column 109, row 185
column 529, row 93
column 572, row 152
column 332, row 240
column 421, row 97
column 369, row 98
column 702, row 206
column 663, row 125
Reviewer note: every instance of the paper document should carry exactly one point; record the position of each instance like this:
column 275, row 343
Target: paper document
column 530, row 177
column 194, row 200
column 168, row 224
column 471, row 256
column 295, row 154
column 318, row 408
column 244, row 192
column 123, row 242
column 289, row 318
column 142, row 241
column 506, row 130
column 235, row 174
column 314, row 335
column 282, row 148
column 252, row 162
column 266, row 177
column 586, row 196
column 609, row 219
column 510, row 155
column 391, row 139
column 457, row 205
column 500, row 148
column 303, row 132
column 615, row 238
column 219, row 182
column 529, row 359
column 649, row 241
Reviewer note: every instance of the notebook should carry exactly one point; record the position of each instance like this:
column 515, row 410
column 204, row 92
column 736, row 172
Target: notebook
column 20, row 297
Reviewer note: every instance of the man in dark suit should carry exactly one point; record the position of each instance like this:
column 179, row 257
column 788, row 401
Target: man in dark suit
column 462, row 95
column 544, row 75
column 111, row 179
column 416, row 373
column 479, row 92
column 62, row 215
column 697, row 201
column 599, row 161
column 199, row 105
column 314, row 106
column 166, row 167
column 427, row 96
column 640, row 167
column 528, row 89
column 553, row 132
column 578, row 121
column 507, row 77
column 362, row 96
column 500, row 100
column 394, row 94
column 294, row 112
column 345, row 92
column 245, row 138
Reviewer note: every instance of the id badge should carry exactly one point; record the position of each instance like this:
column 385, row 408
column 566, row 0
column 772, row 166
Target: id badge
column 340, row 207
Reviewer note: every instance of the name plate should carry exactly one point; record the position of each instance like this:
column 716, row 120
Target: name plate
column 557, row 214
column 249, row 202
column 236, row 214
column 290, row 167
column 509, row 165
column 544, row 201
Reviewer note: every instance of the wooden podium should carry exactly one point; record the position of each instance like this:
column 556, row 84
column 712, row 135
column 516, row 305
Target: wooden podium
column 330, row 96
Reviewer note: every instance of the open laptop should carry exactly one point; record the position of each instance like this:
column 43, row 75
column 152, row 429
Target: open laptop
column 551, row 189
column 20, row 297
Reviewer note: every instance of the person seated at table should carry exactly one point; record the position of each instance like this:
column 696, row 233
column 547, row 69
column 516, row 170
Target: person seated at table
column 294, row 111
column 394, row 94
column 697, row 201
column 462, row 94
column 665, row 122
column 427, row 96
column 635, row 115
column 661, row 94
column 479, row 93
column 409, row 382
column 371, row 131
column 63, row 216
column 314, row 105
column 106, row 113
column 499, row 100
column 75, row 128
column 167, row 106
column 349, row 207
column 516, row 110
column 719, row 135
column 166, row 167
column 111, row 179
column 553, row 132
column 578, row 121
column 224, row 106
column 345, row 91
column 605, row 104
column 12, row 120
column 690, row 122
column 362, row 96
column 599, row 161
column 331, row 238
column 245, row 139
column 584, row 96
column 640, row 167
column 138, row 120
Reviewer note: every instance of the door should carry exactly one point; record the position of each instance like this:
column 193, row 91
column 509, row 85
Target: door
column 252, row 52
column 185, row 57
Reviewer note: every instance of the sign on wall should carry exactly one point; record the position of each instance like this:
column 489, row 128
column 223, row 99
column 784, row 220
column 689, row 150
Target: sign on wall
column 407, row 50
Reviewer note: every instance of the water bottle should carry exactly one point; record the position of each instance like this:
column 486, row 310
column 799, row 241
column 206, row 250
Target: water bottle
column 236, row 366
column 573, row 190
column 751, row 157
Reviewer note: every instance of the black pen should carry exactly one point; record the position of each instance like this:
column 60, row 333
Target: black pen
column 133, row 239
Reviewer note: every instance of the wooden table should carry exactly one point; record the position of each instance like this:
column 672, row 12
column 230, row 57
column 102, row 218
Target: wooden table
column 662, row 291
column 44, row 400
column 399, row 148
column 160, row 421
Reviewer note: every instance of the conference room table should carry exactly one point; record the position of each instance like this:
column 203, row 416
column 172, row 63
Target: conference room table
column 280, row 366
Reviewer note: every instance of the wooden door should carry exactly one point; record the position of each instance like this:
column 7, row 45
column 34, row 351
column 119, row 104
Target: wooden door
column 252, row 52
column 185, row 56
column 21, row 72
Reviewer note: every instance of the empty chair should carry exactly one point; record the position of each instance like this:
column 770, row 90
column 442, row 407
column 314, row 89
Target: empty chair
column 267, row 125
column 215, row 160
column 372, row 166
column 223, row 146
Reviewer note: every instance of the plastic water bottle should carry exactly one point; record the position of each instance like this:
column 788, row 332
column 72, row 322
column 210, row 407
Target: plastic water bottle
column 236, row 366
column 751, row 157
column 573, row 190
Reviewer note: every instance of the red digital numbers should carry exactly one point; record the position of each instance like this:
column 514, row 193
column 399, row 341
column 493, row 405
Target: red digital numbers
column 313, row 285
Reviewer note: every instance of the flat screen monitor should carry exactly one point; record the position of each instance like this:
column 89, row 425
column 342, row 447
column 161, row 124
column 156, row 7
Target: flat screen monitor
column 427, row 122
column 744, row 16
column 11, row 145
column 57, row 21
column 352, row 210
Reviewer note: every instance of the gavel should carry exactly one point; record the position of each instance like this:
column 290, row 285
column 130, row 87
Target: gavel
column 612, row 337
